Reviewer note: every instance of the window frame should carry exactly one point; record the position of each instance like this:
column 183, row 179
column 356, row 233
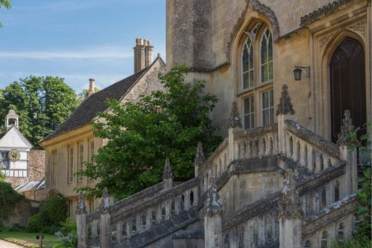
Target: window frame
column 270, row 108
column 269, row 62
column 251, row 113
column 70, row 164
column 251, row 68
column 255, row 35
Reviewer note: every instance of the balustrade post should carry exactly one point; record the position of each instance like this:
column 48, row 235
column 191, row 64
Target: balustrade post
column 290, row 214
column 213, row 219
column 284, row 112
column 105, row 223
column 81, row 223
column 348, row 153
column 199, row 159
column 235, row 123
column 167, row 175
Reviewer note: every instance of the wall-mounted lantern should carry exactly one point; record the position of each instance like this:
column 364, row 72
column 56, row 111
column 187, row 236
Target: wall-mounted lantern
column 297, row 72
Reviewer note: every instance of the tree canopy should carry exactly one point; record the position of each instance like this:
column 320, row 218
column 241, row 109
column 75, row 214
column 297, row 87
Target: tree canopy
column 5, row 4
column 42, row 103
column 141, row 135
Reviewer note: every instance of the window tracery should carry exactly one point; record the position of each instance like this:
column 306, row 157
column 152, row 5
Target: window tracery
column 256, row 68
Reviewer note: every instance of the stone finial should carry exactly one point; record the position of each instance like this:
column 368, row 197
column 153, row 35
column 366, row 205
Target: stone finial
column 105, row 200
column 347, row 128
column 214, row 203
column 199, row 157
column 235, row 120
column 81, row 208
column 289, row 201
column 285, row 105
column 167, row 171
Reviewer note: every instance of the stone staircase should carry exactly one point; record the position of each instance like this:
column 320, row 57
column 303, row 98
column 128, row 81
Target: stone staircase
column 172, row 214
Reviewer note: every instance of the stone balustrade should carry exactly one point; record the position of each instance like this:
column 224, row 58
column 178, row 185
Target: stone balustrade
column 308, row 149
column 239, row 145
column 143, row 211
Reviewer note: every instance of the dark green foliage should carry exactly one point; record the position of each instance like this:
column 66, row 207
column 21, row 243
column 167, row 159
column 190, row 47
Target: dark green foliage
column 42, row 103
column 141, row 135
column 67, row 235
column 8, row 200
column 359, row 242
column 5, row 4
column 364, row 205
column 52, row 213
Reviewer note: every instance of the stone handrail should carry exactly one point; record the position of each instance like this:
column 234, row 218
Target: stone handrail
column 240, row 144
column 309, row 149
column 138, row 213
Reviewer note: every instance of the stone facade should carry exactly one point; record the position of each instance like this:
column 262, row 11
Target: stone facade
column 278, row 179
column 308, row 36
column 249, row 193
column 68, row 151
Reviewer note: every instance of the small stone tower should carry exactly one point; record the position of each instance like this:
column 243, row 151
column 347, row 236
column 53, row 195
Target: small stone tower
column 12, row 119
column 142, row 54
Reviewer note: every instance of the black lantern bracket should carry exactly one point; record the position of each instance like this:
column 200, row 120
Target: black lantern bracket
column 298, row 70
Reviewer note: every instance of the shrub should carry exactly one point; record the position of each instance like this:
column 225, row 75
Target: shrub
column 8, row 200
column 52, row 213
column 67, row 235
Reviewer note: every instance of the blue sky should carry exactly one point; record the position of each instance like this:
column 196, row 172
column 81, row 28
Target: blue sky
column 77, row 39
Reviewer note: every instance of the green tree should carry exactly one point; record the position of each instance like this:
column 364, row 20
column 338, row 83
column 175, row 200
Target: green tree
column 141, row 135
column 42, row 103
column 8, row 200
column 5, row 4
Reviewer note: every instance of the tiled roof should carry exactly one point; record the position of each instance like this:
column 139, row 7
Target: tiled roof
column 96, row 103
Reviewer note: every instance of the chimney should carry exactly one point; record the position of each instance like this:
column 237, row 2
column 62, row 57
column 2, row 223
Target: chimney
column 142, row 54
column 92, row 86
column 148, row 53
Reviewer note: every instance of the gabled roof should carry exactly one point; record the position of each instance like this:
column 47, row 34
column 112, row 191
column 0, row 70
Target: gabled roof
column 8, row 140
column 96, row 103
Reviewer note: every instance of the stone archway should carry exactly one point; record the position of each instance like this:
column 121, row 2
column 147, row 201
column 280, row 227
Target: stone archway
column 347, row 85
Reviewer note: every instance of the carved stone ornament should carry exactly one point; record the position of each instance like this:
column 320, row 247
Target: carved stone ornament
column 105, row 200
column 199, row 157
column 359, row 27
column 235, row 120
column 347, row 129
column 214, row 203
column 322, row 11
column 14, row 155
column 81, row 208
column 285, row 104
column 167, row 172
column 289, row 201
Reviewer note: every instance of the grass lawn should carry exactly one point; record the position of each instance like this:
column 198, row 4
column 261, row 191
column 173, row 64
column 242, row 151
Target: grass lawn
column 28, row 239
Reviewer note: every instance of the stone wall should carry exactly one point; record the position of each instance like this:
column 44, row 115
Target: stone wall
column 306, row 36
column 35, row 168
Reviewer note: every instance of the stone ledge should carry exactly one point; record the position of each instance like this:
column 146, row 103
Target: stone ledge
column 330, row 215
column 312, row 138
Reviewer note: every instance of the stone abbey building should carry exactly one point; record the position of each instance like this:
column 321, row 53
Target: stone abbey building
column 292, row 78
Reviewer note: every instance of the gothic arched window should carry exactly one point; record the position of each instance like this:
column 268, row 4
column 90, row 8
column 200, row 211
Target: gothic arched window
column 324, row 240
column 256, row 68
column 247, row 64
column 266, row 57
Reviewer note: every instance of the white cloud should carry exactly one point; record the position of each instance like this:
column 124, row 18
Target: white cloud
column 99, row 53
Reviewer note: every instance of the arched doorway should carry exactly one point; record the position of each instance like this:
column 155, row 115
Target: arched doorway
column 348, row 87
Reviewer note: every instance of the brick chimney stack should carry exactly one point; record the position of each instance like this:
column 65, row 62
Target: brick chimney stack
column 142, row 54
column 92, row 86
